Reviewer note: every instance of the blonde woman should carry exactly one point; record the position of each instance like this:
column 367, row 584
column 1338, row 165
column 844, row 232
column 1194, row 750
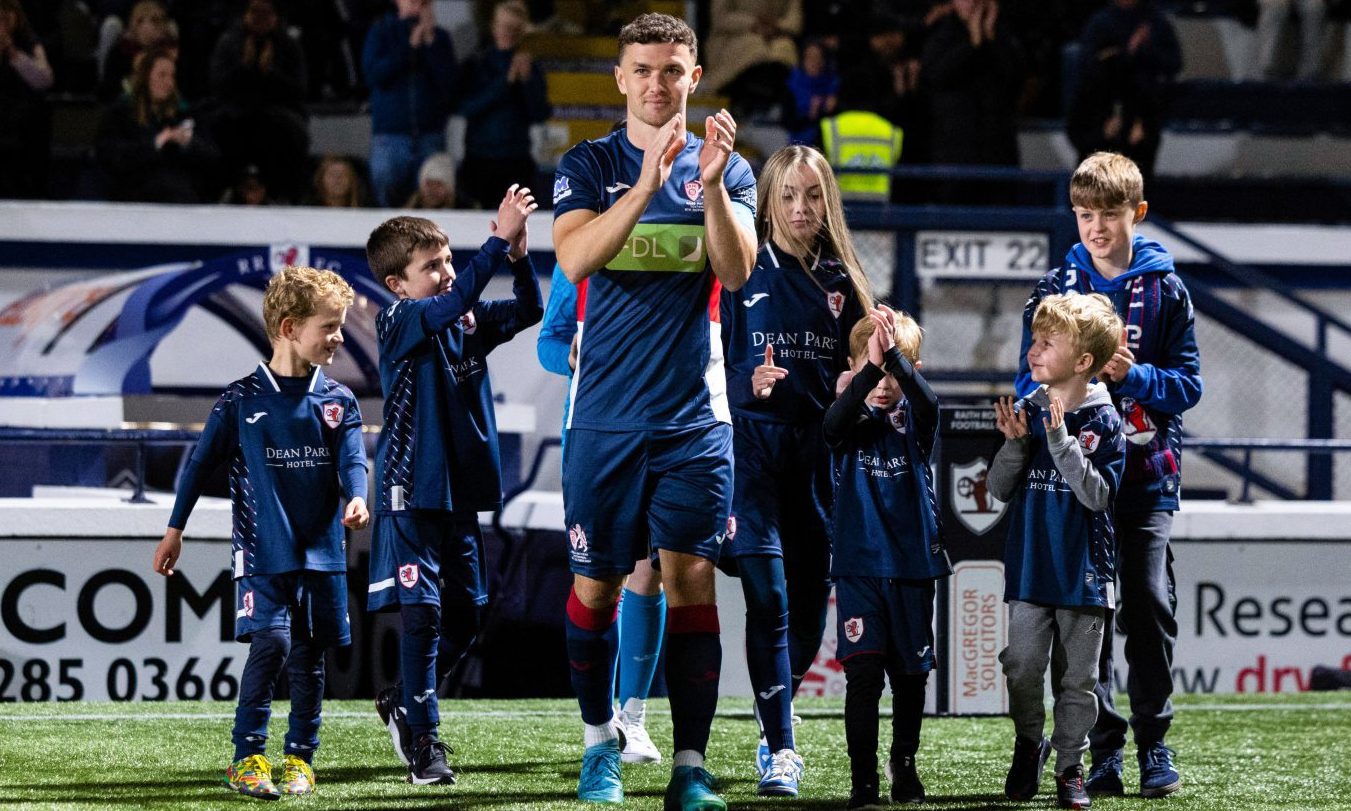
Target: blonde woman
column 785, row 338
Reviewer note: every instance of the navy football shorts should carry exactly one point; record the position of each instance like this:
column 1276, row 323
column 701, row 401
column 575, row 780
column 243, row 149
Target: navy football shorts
column 782, row 492
column 886, row 616
column 628, row 493
column 426, row 557
column 310, row 605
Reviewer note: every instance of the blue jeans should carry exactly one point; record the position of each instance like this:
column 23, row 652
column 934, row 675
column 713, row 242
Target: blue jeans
column 1147, row 615
column 395, row 160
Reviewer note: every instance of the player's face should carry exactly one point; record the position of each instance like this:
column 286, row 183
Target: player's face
column 801, row 208
column 1107, row 232
column 428, row 274
column 657, row 79
column 1052, row 358
column 318, row 337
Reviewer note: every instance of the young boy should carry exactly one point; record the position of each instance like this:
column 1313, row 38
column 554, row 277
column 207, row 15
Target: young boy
column 887, row 550
column 1152, row 378
column 1059, row 469
column 293, row 440
column 437, row 459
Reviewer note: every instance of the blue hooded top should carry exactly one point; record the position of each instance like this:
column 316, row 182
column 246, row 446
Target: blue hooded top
column 1166, row 378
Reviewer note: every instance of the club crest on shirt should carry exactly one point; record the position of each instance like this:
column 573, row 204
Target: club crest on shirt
column 853, row 629
column 1088, row 440
column 835, row 301
column 332, row 414
column 248, row 603
column 408, row 575
column 897, row 419
column 468, row 323
column 694, row 189
column 971, row 500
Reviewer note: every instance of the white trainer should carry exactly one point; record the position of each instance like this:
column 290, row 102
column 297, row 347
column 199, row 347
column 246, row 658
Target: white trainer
column 638, row 747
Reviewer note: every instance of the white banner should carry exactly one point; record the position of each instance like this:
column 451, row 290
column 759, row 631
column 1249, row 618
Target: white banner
column 88, row 620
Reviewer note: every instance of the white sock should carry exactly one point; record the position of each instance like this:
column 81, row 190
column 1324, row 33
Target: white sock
column 600, row 734
column 688, row 757
column 635, row 711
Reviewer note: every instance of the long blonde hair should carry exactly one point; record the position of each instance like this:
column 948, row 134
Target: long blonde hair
column 833, row 239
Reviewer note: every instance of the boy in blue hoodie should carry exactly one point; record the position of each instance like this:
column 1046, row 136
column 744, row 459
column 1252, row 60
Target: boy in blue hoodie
column 1153, row 377
column 1059, row 468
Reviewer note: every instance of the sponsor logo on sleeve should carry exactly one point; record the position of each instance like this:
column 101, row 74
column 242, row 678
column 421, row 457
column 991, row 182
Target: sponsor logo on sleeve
column 562, row 189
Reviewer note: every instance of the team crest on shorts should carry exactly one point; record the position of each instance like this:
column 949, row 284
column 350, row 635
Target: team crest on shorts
column 835, row 301
column 694, row 189
column 468, row 323
column 853, row 629
column 248, row 604
column 1088, row 440
column 408, row 575
column 577, row 538
column 332, row 414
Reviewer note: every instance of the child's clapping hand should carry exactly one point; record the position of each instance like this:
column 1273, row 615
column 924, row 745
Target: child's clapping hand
column 516, row 207
column 1011, row 422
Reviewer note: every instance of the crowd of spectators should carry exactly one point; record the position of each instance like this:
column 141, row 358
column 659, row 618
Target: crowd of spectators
column 209, row 100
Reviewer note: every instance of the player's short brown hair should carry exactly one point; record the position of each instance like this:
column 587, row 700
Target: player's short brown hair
column 652, row 27
column 296, row 292
column 1107, row 180
column 390, row 246
column 909, row 336
column 1090, row 321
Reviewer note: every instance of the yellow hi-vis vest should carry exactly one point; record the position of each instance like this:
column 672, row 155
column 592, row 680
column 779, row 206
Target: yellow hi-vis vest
column 856, row 139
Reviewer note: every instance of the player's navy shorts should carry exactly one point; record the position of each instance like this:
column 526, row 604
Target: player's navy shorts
column 782, row 493
column 628, row 493
column 886, row 616
column 426, row 557
column 310, row 605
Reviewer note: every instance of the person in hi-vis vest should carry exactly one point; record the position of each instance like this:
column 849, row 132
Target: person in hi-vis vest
column 859, row 143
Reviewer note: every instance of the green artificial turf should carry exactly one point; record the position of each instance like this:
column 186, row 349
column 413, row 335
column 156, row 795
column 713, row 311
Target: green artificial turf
column 1234, row 752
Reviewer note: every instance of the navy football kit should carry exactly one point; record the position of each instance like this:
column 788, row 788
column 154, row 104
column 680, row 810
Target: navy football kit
column 888, row 551
column 648, row 461
column 295, row 451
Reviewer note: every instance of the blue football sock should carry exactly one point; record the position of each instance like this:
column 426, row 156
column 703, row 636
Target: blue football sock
column 417, row 667
column 305, row 673
column 593, row 642
column 767, row 646
column 267, row 657
column 693, row 663
column 642, row 622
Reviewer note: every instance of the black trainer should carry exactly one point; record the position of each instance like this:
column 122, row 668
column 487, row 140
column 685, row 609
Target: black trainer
column 905, row 784
column 429, row 762
column 1069, row 788
column 395, row 719
column 864, row 796
column 1029, row 758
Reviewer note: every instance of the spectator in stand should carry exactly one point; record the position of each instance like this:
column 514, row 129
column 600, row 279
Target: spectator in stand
column 435, row 183
column 337, row 184
column 25, row 118
column 1129, row 55
column 147, row 144
column 502, row 93
column 1272, row 16
column 973, row 70
column 815, row 88
column 879, row 64
column 258, row 80
column 410, row 68
column 148, row 25
column 248, row 190
column 751, row 49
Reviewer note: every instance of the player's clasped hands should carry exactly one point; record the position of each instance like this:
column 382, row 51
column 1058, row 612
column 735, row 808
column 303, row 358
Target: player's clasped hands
column 661, row 153
column 766, row 375
column 1011, row 422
